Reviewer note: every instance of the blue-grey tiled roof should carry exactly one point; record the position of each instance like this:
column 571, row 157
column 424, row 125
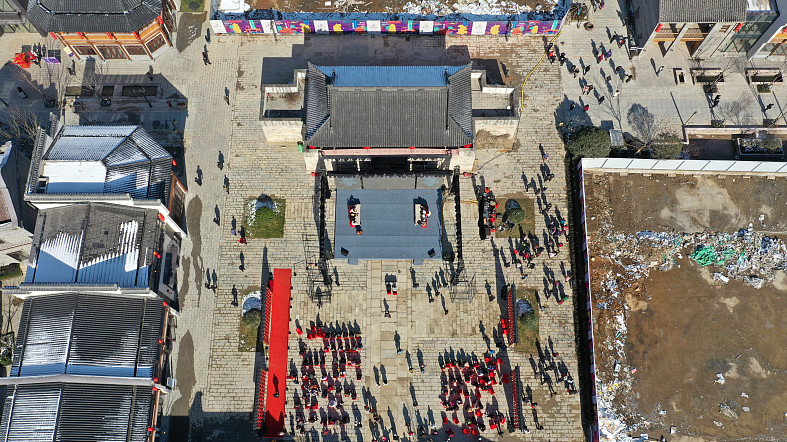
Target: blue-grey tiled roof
column 94, row 243
column 89, row 335
column 123, row 16
column 133, row 162
column 388, row 106
column 702, row 11
column 76, row 412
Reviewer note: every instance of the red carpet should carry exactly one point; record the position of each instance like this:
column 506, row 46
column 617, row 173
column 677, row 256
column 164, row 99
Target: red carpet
column 277, row 352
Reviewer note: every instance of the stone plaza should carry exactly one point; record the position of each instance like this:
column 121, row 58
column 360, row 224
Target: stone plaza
column 216, row 387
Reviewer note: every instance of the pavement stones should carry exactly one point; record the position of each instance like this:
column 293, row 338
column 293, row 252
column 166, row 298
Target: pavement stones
column 216, row 387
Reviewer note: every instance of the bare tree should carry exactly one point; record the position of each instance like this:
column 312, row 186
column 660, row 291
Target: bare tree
column 737, row 110
column 21, row 75
column 611, row 103
column 648, row 128
column 20, row 123
column 58, row 78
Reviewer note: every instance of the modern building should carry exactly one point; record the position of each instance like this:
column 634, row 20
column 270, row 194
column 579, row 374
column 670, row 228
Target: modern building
column 708, row 28
column 78, row 411
column 387, row 118
column 107, row 29
column 88, row 367
column 112, row 164
column 104, row 249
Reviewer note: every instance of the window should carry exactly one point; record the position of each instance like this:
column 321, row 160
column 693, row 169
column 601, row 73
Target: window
column 135, row 50
column 85, row 50
column 112, row 52
column 156, row 43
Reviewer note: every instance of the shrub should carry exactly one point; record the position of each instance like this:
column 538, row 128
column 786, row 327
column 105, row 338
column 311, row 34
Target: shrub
column 249, row 329
column 771, row 143
column 252, row 318
column 590, row 141
column 515, row 215
column 666, row 146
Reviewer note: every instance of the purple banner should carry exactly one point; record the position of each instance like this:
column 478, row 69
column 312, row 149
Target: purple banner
column 385, row 27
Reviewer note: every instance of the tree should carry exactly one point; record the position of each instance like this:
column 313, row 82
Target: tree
column 20, row 124
column 647, row 127
column 666, row 146
column 771, row 143
column 515, row 215
column 737, row 111
column 591, row 142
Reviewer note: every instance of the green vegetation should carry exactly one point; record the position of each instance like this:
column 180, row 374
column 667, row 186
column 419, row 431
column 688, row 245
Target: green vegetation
column 192, row 6
column 6, row 357
column 527, row 324
column 768, row 143
column 515, row 215
column 249, row 330
column 265, row 218
column 591, row 142
column 521, row 211
column 771, row 143
column 666, row 147
column 10, row 271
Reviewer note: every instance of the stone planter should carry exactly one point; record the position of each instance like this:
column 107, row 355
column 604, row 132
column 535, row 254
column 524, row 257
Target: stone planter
column 745, row 153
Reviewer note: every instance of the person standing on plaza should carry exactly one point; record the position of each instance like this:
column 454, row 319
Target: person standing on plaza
column 205, row 59
column 587, row 107
column 601, row 99
column 586, row 70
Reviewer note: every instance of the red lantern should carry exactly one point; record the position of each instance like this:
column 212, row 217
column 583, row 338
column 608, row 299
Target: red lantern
column 658, row 28
column 161, row 217
column 738, row 28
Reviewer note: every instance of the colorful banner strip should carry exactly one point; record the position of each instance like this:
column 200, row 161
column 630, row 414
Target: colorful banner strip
column 531, row 27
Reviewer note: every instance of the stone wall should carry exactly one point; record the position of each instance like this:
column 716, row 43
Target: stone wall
column 282, row 130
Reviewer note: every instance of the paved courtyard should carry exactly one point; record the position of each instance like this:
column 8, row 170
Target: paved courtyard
column 653, row 85
column 216, row 387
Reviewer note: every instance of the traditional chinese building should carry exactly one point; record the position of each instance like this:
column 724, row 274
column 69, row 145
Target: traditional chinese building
column 107, row 29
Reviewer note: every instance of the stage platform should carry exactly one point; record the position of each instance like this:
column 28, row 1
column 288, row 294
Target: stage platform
column 388, row 223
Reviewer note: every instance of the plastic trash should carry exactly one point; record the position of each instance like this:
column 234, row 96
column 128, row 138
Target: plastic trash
column 720, row 379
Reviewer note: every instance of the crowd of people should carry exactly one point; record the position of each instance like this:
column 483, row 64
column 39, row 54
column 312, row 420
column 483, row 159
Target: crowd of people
column 324, row 386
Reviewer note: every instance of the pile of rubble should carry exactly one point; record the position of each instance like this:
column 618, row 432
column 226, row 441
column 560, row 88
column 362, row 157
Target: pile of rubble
column 746, row 255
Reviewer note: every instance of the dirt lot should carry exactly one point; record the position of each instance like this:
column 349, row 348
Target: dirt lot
column 672, row 331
